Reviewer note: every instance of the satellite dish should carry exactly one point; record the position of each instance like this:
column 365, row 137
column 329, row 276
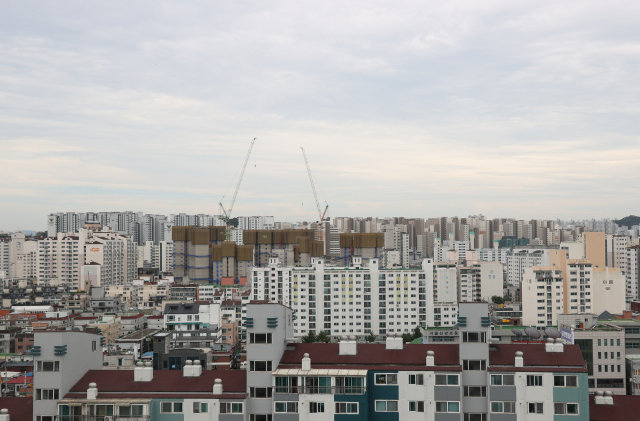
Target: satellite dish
column 516, row 332
column 532, row 332
column 552, row 333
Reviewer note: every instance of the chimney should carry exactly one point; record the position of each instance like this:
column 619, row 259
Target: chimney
column 143, row 372
column 217, row 387
column 519, row 359
column 92, row 392
column 602, row 400
column 559, row 347
column 306, row 362
column 192, row 368
column 394, row 341
column 608, row 398
column 549, row 346
column 348, row 346
column 431, row 359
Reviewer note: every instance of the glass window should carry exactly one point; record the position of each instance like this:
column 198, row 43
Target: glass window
column 534, row 380
column 386, row 406
column 316, row 407
column 346, row 407
column 383, row 379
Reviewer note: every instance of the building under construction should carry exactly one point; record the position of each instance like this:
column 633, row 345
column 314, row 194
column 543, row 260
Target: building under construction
column 202, row 256
column 293, row 247
column 366, row 246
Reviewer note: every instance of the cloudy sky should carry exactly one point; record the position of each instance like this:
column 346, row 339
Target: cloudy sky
column 526, row 109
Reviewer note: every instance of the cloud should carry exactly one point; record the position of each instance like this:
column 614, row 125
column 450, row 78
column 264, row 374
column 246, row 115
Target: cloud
column 526, row 109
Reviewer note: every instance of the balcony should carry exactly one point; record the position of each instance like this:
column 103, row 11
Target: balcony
column 101, row 418
column 326, row 390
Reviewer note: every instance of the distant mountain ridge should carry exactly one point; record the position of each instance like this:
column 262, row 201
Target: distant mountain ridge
column 628, row 221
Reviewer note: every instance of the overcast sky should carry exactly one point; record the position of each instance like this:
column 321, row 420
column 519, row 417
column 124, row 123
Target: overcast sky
column 525, row 109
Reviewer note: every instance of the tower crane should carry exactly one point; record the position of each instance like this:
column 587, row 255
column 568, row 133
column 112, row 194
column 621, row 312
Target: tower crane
column 315, row 196
column 227, row 215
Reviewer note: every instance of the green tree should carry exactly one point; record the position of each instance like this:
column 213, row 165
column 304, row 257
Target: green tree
column 497, row 300
column 323, row 337
column 310, row 338
column 371, row 338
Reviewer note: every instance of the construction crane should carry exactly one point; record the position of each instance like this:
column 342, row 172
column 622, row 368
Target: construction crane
column 315, row 196
column 227, row 215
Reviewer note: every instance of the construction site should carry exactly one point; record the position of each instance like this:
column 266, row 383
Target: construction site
column 204, row 255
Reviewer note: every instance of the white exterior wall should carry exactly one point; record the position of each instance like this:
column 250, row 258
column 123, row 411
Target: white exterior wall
column 533, row 394
column 412, row 392
column 446, row 289
column 609, row 290
column 535, row 298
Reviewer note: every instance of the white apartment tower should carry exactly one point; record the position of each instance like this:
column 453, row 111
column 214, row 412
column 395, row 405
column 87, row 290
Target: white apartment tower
column 354, row 300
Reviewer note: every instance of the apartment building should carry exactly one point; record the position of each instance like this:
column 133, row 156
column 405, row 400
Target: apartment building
column 480, row 281
column 632, row 272
column 520, row 259
column 353, row 300
column 195, row 325
column 445, row 282
column 542, row 296
column 61, row 358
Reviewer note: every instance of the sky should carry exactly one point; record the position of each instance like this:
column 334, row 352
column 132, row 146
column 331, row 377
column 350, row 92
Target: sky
column 523, row 109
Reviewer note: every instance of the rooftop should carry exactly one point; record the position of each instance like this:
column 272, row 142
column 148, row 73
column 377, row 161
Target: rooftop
column 113, row 383
column 624, row 408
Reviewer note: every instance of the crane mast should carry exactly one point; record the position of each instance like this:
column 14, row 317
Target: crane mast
column 227, row 215
column 321, row 215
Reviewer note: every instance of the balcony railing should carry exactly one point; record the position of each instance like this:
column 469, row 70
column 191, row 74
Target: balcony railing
column 336, row 390
column 102, row 418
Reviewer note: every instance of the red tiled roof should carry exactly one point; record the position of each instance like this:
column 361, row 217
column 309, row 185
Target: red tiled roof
column 20, row 409
column 155, row 317
column 624, row 408
column 243, row 280
column 4, row 312
column 137, row 316
column 534, row 355
column 87, row 318
column 231, row 303
column 164, row 381
column 371, row 354
column 21, row 380
column 226, row 281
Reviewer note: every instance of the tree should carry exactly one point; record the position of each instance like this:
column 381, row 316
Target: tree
column 371, row 338
column 310, row 338
column 506, row 298
column 410, row 337
column 497, row 300
column 322, row 337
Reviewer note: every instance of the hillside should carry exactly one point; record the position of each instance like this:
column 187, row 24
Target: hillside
column 628, row 221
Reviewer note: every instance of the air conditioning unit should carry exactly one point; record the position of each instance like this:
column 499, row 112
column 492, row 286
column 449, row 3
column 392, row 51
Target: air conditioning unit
column 108, row 418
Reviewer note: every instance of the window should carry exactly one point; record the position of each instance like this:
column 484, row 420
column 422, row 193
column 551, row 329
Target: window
column 132, row 411
column 565, row 381
column 474, row 365
column 231, row 407
column 47, row 394
column 260, row 392
column 502, row 380
column 475, row 417
column 200, row 407
column 534, row 380
column 503, row 407
column 477, row 337
column 475, row 391
column 447, row 406
column 349, row 385
column 48, row 366
column 416, row 406
column 386, row 406
column 171, row 407
column 386, row 378
column 316, row 407
column 416, row 379
column 286, row 407
column 447, row 380
column 535, row 408
column 260, row 366
column 94, row 345
column 346, row 407
column 260, row 338
column 565, row 408
column 260, row 417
